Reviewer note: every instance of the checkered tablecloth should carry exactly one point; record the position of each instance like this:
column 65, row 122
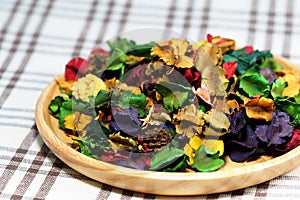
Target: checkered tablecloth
column 38, row 38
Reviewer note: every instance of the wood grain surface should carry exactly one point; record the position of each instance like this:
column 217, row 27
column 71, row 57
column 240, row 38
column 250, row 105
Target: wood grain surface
column 230, row 177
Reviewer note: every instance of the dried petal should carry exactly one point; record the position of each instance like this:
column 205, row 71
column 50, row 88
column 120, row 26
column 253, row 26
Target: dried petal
column 230, row 69
column 260, row 108
column 294, row 140
column 231, row 105
column 215, row 145
column 203, row 93
column 277, row 132
column 268, row 74
column 237, row 121
column 74, row 67
column 241, row 149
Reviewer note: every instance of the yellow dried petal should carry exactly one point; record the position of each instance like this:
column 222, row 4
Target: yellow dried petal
column 81, row 121
column 190, row 153
column 231, row 104
column 215, row 145
column 260, row 108
column 69, row 122
column 195, row 142
column 65, row 85
column 293, row 85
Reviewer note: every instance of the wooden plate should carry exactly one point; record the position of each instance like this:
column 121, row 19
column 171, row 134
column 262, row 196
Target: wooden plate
column 230, row 177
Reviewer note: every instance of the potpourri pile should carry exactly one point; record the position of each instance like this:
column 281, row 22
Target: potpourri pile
column 176, row 106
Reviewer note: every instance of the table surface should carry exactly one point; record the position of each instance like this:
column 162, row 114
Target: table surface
column 38, row 38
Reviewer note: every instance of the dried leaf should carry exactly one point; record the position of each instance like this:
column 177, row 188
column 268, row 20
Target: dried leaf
column 293, row 84
column 253, row 83
column 69, row 122
column 278, row 88
column 206, row 160
column 63, row 84
column 224, row 43
column 212, row 51
column 173, row 95
column 218, row 123
column 123, row 142
column 165, row 158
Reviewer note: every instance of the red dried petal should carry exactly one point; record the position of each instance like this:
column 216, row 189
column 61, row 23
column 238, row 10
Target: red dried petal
column 230, row 69
column 249, row 49
column 70, row 74
column 209, row 37
column 77, row 63
column 294, row 141
column 193, row 77
column 74, row 67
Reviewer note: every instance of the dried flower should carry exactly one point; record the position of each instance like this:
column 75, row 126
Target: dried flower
column 191, row 120
column 173, row 53
column 88, row 86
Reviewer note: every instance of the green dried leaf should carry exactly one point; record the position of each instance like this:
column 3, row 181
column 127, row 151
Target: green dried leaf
column 130, row 47
column 103, row 99
column 291, row 108
column 55, row 104
column 271, row 63
column 246, row 61
column 122, row 44
column 179, row 166
column 278, row 87
column 166, row 157
column 130, row 100
column 174, row 95
column 60, row 107
column 297, row 98
column 253, row 83
column 206, row 160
